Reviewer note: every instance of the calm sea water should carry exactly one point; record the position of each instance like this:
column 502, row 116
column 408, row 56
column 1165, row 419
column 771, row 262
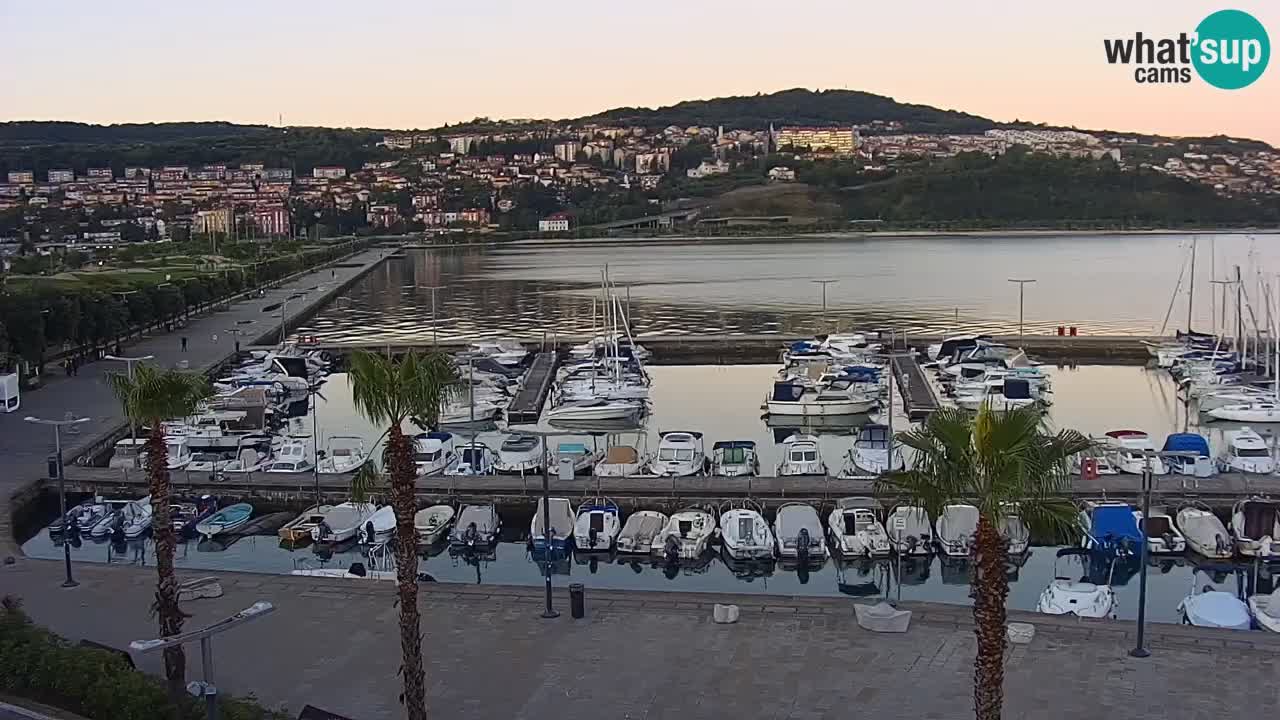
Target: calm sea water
column 723, row 402
column 1103, row 284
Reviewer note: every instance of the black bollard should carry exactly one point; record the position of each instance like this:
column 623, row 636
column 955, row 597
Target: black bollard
column 577, row 601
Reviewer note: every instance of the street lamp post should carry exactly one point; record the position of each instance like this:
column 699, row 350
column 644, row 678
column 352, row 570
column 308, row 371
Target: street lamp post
column 284, row 307
column 129, row 361
column 824, row 284
column 62, row 486
column 1139, row 650
column 434, row 289
column 1022, row 284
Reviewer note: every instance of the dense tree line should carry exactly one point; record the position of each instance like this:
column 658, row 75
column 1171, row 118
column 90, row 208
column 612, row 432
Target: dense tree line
column 1029, row 187
column 798, row 107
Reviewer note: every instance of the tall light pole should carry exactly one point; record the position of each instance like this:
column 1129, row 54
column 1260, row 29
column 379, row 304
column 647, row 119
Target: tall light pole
column 284, row 307
column 1139, row 651
column 434, row 289
column 1022, row 285
column 129, row 361
column 824, row 284
column 62, row 486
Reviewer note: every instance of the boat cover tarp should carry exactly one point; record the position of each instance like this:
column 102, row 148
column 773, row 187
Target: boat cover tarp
column 882, row 617
column 1017, row 389
column 1259, row 519
column 1187, row 442
column 787, row 392
column 622, row 455
column 1113, row 524
column 1217, row 609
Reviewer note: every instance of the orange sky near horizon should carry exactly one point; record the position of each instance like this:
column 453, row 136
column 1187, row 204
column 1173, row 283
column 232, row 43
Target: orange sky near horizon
column 418, row 65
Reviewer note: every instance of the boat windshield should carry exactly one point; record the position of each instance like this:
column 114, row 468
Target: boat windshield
column 206, row 457
column 804, row 455
column 1253, row 452
column 746, row 527
column 681, row 454
column 734, row 456
column 427, row 456
column 285, row 466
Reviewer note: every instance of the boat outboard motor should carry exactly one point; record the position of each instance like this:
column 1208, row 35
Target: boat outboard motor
column 591, row 538
column 471, row 536
column 671, row 549
column 802, row 544
column 1220, row 544
column 369, row 533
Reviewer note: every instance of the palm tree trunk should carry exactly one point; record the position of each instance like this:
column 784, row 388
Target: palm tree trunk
column 166, row 602
column 992, row 588
column 403, row 501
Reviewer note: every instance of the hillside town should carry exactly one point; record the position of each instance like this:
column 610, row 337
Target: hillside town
column 442, row 182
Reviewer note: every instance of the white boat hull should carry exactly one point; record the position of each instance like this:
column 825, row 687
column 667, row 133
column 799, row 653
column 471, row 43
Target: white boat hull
column 820, row 409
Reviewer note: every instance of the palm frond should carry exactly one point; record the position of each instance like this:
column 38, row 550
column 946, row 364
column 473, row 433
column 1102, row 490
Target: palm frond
column 155, row 394
column 387, row 392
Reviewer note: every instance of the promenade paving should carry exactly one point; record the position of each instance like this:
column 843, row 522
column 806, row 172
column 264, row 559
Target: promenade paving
column 334, row 644
column 24, row 446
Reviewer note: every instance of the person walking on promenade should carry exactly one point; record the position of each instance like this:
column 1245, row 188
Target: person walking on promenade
column 184, row 343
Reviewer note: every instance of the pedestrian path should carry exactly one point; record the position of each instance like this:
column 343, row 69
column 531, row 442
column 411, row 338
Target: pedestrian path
column 24, row 446
column 638, row 654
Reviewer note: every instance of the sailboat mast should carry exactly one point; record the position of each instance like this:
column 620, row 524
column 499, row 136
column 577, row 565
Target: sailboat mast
column 1275, row 332
column 1191, row 285
column 1213, row 275
column 1240, row 315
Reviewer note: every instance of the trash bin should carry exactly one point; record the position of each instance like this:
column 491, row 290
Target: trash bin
column 577, row 601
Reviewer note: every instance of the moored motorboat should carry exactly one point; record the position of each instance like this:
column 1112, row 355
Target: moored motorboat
column 597, row 526
column 1131, row 451
column 620, row 461
column 734, row 458
column 345, row 455
column 680, row 454
column 1258, row 411
column 431, row 523
column 957, row 529
column 185, row 516
column 1015, row 532
column 1246, row 452
column 342, row 522
column 685, row 536
column 1110, row 527
column 1204, row 532
column 856, row 529
column 379, row 527
column 299, row 529
column 228, row 519
column 474, row 458
column 801, row 456
column 1066, row 596
column 1265, row 610
column 1205, row 606
column 1197, row 462
column 520, row 455
column 746, row 535
column 798, row 532
column 575, row 455
column 560, row 513
column 433, row 452
column 909, row 530
column 1255, row 525
column 640, row 529
column 477, row 527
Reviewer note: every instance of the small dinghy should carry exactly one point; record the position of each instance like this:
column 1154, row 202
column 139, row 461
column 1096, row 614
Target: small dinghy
column 1204, row 532
column 80, row 518
column 909, row 530
column 798, row 530
column 1065, row 596
column 226, row 520
column 1208, row 607
column 856, row 530
column 342, row 522
column 746, row 535
column 299, row 529
column 1265, row 610
column 620, row 461
column 686, row 535
column 1255, row 524
column 597, row 526
column 380, row 526
column 638, row 532
column 562, row 520
column 136, row 517
column 1162, row 536
column 957, row 529
column 431, row 523
column 477, row 527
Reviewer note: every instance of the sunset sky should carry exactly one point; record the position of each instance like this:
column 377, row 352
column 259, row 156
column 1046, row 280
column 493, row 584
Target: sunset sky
column 420, row 64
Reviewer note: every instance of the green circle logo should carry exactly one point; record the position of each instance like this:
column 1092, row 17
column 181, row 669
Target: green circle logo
column 1232, row 49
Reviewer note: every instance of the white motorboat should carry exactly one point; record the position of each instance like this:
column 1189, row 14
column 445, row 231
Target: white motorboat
column 505, row 351
column 597, row 526
column 1265, row 610
column 136, row 517
column 957, row 529
column 433, row 452
column 1205, row 606
column 909, row 530
column 207, row 462
column 734, row 458
column 1095, row 457
column 250, row 459
column 1109, row 526
column 1233, row 395
column 178, row 451
column 80, row 518
column 474, row 458
column 801, row 456
column 870, row 455
column 128, row 454
column 680, row 454
column 638, row 532
column 1065, row 596
column 839, row 398
column 1199, row 464
column 477, row 411
column 1001, row 394
column 431, row 523
column 595, row 409
column 293, row 456
column 1162, row 535
column 520, row 455
column 620, row 461
column 577, row 455
column 345, row 454
column 1128, row 452
column 1251, row 412
column 746, row 535
column 1246, row 452
column 954, row 346
column 1015, row 532
column 561, row 515
column 685, row 536
column 299, row 528
column 1255, row 525
column 342, row 522
column 379, row 527
column 856, row 530
column 1204, row 532
column 798, row 531
column 111, row 520
column 477, row 527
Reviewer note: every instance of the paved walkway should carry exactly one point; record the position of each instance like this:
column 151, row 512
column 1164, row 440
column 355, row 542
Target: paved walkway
column 24, row 446
column 334, row 644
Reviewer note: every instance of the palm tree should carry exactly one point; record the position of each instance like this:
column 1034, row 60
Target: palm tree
column 389, row 393
column 1002, row 462
column 148, row 398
